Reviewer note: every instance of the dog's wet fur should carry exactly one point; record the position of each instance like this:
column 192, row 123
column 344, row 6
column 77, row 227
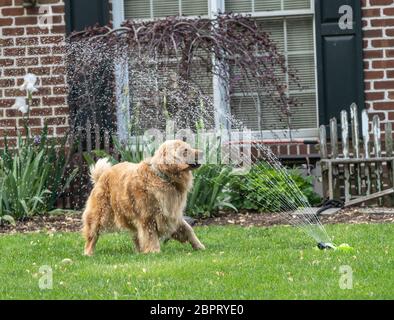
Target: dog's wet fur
column 146, row 198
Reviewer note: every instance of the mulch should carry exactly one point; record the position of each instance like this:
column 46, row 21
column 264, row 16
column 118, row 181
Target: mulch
column 73, row 223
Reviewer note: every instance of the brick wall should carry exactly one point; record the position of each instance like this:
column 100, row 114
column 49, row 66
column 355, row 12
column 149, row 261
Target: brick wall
column 31, row 44
column 378, row 21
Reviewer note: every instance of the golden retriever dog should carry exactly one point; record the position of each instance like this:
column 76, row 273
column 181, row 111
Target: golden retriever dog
column 146, row 198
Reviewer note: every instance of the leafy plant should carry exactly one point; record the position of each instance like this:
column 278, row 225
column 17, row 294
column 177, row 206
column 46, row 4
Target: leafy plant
column 210, row 191
column 266, row 189
column 31, row 176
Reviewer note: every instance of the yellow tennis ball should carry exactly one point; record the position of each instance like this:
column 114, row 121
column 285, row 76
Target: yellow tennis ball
column 345, row 247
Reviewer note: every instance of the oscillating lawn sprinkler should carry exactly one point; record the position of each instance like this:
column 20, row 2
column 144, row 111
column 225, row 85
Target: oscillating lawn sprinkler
column 342, row 247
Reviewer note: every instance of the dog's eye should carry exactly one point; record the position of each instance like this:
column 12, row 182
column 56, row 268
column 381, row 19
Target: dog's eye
column 185, row 152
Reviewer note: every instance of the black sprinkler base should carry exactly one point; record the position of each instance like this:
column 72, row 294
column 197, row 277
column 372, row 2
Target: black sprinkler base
column 325, row 246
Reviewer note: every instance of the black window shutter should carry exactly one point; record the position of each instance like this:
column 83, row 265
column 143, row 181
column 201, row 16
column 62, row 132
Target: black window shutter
column 339, row 58
column 84, row 13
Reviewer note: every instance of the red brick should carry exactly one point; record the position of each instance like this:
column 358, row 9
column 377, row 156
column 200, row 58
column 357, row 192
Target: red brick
column 56, row 121
column 390, row 32
column 6, row 103
column 29, row 41
column 382, row 22
column 376, row 33
column 51, row 60
column 369, row 54
column 391, row 116
column 58, row 49
column 11, row 52
column 7, row 42
column 383, row 64
column 388, row 11
column 62, row 130
column 36, row 31
column 30, row 122
column 59, row 29
column 41, row 111
column 391, row 95
column 383, row 105
column 58, row 9
column 14, row 93
column 5, row 22
column 53, row 101
column 372, row 96
column 384, row 85
column 386, row 43
column 40, row 71
column 9, row 32
column 371, row 13
column 39, row 51
column 7, row 122
column 16, row 11
column 53, row 81
column 374, row 75
column 12, row 113
column 61, row 111
column 14, row 72
column 390, row 74
column 5, row 83
column 60, row 90
column 59, row 70
column 23, row 21
column 390, row 53
column 43, row 91
column 52, row 39
column 56, row 19
column 6, row 3
column 6, row 62
column 381, row 2
column 24, row 62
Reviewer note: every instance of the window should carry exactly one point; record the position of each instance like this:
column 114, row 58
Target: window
column 291, row 25
column 149, row 9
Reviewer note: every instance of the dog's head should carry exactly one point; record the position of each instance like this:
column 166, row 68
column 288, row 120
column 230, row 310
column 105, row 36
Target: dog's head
column 175, row 156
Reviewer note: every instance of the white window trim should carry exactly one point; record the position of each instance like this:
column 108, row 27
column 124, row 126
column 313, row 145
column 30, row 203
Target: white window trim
column 214, row 6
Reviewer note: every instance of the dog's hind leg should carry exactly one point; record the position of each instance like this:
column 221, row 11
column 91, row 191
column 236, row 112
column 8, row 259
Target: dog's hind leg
column 185, row 233
column 91, row 233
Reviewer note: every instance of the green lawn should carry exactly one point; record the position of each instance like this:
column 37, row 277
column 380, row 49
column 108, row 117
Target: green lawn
column 239, row 263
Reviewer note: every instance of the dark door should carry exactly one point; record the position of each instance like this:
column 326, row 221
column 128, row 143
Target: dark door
column 339, row 56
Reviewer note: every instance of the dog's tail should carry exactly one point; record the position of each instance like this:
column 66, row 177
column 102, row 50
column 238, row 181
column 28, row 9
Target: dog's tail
column 97, row 169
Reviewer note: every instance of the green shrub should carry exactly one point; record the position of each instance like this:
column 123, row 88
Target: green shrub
column 31, row 176
column 265, row 189
column 210, row 190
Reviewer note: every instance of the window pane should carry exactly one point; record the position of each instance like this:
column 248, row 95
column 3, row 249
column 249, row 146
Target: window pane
column 299, row 34
column 304, row 116
column 194, row 7
column 305, row 66
column 137, row 9
column 297, row 4
column 163, row 8
column 245, row 109
column 267, row 5
column 276, row 30
column 238, row 6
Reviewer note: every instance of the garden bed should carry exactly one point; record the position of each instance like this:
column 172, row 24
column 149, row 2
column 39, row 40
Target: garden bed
column 71, row 222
